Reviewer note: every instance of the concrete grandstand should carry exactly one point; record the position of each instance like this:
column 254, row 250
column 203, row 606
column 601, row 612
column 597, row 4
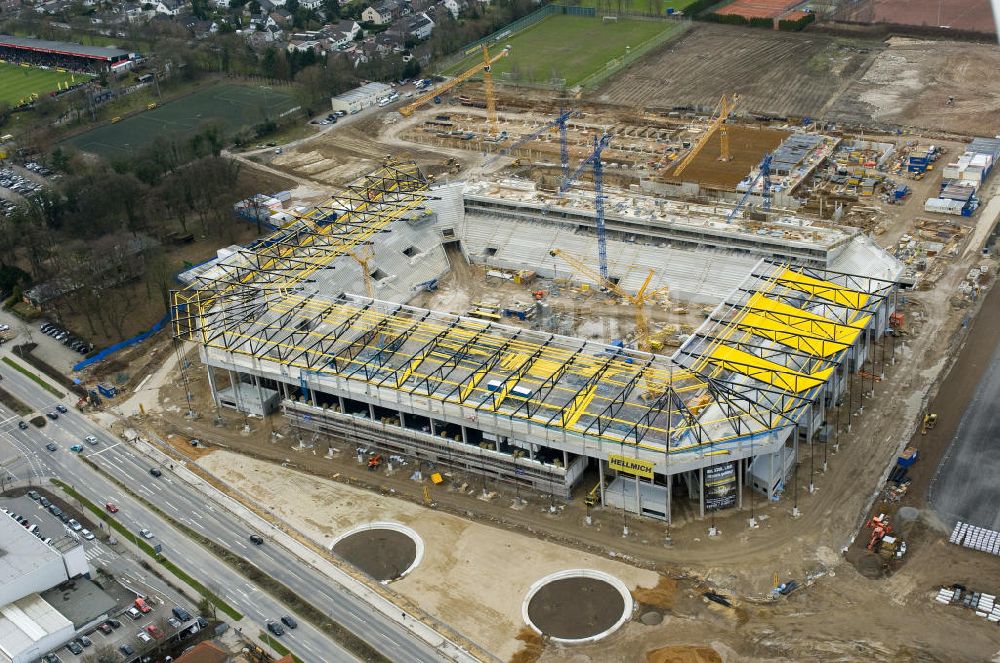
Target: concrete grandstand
column 286, row 322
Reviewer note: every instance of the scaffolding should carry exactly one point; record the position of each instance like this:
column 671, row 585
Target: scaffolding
column 754, row 367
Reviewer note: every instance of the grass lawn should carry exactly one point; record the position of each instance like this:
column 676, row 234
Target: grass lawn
column 612, row 7
column 17, row 83
column 231, row 105
column 570, row 47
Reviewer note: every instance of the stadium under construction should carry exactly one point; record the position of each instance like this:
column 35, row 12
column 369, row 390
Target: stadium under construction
column 316, row 320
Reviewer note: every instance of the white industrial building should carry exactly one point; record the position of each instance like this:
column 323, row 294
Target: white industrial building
column 30, row 626
column 360, row 98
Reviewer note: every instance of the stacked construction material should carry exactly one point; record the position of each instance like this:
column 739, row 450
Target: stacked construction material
column 985, row 605
column 977, row 538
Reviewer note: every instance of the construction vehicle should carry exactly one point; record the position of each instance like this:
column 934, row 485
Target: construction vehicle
column 930, row 421
column 638, row 300
column 374, row 462
column 486, row 66
column 722, row 112
column 880, row 527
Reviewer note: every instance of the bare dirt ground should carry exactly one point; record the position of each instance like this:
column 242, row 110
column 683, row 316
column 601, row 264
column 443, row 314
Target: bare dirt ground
column 775, row 73
column 971, row 15
column 453, row 582
column 900, row 81
column 747, row 146
column 909, row 84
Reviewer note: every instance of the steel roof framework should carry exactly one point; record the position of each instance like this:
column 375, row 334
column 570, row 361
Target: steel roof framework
column 752, row 367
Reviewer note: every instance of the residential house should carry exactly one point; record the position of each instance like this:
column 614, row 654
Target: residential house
column 419, row 27
column 310, row 4
column 171, row 7
column 385, row 11
column 199, row 28
column 453, row 7
column 281, row 16
column 341, row 35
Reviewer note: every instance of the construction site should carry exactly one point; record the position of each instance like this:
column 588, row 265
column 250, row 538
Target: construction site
column 705, row 343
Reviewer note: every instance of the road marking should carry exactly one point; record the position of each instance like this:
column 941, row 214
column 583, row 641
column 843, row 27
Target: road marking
column 170, row 505
column 197, row 515
column 98, row 453
column 240, row 544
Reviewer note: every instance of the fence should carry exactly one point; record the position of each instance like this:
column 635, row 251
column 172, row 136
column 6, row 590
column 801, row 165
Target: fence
column 616, row 65
column 107, row 352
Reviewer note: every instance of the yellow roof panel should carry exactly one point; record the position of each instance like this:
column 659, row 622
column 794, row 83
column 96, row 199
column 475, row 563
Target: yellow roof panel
column 767, row 371
column 827, row 290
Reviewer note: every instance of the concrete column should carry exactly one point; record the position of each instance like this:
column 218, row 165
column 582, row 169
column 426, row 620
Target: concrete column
column 701, row 492
column 211, row 385
column 433, row 428
column 670, row 486
column 402, row 420
column 371, row 409
column 566, row 459
column 638, row 497
column 739, row 484
column 260, row 394
column 600, row 477
column 770, row 475
column 340, row 400
column 465, row 436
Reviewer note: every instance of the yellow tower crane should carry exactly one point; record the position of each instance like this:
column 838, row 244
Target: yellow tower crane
column 638, row 300
column 722, row 112
column 486, row 66
column 364, row 260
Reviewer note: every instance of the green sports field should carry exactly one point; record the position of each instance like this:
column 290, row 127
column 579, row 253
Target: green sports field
column 569, row 47
column 18, row 83
column 230, row 105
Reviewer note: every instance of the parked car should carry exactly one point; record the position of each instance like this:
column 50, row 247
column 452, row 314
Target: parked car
column 33, row 494
column 142, row 635
column 126, row 649
column 154, row 631
column 75, row 648
column 133, row 614
column 44, row 501
column 142, row 606
column 115, row 623
column 181, row 614
column 104, row 628
column 84, row 641
column 87, row 534
column 55, row 511
column 75, row 525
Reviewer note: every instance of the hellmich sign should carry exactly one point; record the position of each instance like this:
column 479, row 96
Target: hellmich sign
column 634, row 466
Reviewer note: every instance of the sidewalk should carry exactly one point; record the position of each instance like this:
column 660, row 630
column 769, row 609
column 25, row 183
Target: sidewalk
column 448, row 648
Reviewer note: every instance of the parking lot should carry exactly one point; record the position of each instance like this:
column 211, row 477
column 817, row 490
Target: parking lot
column 119, row 610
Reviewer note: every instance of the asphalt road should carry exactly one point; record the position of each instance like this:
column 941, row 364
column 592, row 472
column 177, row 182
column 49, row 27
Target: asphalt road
column 966, row 487
column 23, row 455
